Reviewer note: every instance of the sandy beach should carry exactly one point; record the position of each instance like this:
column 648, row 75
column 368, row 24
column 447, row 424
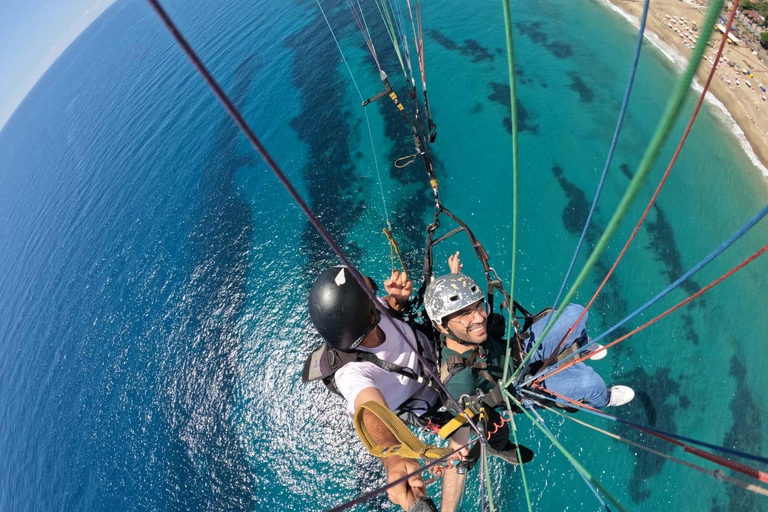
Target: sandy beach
column 744, row 97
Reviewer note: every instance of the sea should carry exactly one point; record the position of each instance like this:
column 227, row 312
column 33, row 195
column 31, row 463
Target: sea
column 154, row 273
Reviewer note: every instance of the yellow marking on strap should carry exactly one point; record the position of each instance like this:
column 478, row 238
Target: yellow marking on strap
column 459, row 421
column 394, row 98
column 433, row 183
column 456, row 423
column 410, row 447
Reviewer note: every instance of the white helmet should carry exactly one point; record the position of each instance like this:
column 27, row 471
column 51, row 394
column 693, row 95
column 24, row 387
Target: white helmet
column 450, row 293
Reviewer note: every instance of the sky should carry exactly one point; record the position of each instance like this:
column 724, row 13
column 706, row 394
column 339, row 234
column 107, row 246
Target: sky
column 33, row 34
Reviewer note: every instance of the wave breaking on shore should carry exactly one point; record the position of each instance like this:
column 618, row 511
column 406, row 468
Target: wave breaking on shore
column 679, row 61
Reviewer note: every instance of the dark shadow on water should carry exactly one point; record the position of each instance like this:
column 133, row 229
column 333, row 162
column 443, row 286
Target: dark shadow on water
column 655, row 405
column 666, row 251
column 626, row 170
column 577, row 209
column 470, row 48
column 579, row 86
column 745, row 435
column 534, row 31
column 331, row 182
column 500, row 94
column 611, row 303
column 664, row 248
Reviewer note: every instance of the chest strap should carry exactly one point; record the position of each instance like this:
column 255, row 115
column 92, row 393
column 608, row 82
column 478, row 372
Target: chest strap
column 454, row 364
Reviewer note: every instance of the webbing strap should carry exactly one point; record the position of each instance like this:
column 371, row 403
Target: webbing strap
column 459, row 421
column 394, row 250
column 410, row 447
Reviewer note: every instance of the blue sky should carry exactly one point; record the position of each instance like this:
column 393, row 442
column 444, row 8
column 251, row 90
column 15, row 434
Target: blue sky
column 33, row 34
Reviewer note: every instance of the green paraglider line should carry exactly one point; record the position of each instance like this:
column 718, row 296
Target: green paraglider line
column 522, row 466
column 384, row 10
column 515, row 169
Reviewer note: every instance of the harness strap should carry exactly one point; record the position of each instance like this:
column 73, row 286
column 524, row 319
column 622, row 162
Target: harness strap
column 402, row 370
column 493, row 398
column 532, row 319
column 410, row 447
column 455, row 364
column 460, row 420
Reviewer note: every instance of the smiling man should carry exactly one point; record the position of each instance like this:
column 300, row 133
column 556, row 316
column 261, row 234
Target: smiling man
column 473, row 363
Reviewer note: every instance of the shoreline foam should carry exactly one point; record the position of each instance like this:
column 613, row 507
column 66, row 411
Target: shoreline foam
column 721, row 110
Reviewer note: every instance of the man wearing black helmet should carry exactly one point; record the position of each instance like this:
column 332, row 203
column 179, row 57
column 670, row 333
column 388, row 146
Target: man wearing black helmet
column 351, row 324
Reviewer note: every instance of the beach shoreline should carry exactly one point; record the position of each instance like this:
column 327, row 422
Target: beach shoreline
column 740, row 106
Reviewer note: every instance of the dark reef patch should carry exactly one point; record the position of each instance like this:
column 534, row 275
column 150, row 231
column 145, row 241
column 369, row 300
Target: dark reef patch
column 520, row 76
column 471, row 48
column 655, row 405
column 586, row 95
column 611, row 302
column 665, row 250
column 626, row 170
column 559, row 49
column 500, row 94
column 612, row 305
column 688, row 328
column 534, row 32
column 332, row 187
column 744, row 435
column 476, row 108
column 577, row 209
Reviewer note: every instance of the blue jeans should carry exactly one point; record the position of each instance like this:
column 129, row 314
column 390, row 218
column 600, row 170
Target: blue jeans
column 579, row 382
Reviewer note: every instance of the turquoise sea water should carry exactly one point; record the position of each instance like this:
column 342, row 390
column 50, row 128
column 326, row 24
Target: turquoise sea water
column 154, row 274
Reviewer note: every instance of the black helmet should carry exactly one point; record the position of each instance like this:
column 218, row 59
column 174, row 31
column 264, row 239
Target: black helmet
column 341, row 311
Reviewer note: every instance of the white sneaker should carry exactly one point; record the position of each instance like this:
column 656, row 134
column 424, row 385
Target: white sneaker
column 620, row 395
column 596, row 356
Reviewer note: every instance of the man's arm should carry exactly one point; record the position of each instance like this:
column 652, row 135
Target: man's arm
column 405, row 493
column 453, row 481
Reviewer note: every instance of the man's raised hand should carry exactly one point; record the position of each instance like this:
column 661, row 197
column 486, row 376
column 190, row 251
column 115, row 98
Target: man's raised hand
column 399, row 287
column 455, row 264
